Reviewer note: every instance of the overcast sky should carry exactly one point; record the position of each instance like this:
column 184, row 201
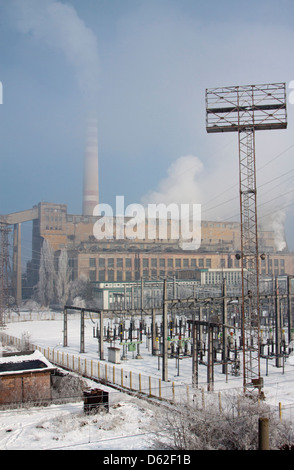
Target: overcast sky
column 142, row 67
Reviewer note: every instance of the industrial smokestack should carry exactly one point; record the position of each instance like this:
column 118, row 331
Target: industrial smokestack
column 91, row 187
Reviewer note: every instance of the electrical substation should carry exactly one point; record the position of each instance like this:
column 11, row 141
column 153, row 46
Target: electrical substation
column 227, row 304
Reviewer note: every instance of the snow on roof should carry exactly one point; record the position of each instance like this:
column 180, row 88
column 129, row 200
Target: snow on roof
column 22, row 362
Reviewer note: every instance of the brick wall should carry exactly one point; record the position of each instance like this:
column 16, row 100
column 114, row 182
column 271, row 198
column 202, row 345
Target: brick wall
column 25, row 387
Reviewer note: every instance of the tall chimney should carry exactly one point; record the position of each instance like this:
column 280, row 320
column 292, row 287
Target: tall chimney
column 91, row 187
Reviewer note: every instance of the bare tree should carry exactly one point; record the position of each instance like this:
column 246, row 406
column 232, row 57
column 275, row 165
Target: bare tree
column 62, row 280
column 81, row 290
column 45, row 287
column 235, row 428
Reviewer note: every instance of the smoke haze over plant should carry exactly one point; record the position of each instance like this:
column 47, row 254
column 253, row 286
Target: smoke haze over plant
column 142, row 68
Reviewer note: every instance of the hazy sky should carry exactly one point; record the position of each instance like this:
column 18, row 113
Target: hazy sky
column 142, row 67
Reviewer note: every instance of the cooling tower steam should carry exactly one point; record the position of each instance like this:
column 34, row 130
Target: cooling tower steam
column 58, row 25
column 181, row 184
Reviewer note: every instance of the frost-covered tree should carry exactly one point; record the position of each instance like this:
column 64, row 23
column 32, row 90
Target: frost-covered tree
column 45, row 288
column 186, row 427
column 62, row 278
column 81, row 290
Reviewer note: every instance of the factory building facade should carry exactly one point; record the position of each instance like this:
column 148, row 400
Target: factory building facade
column 128, row 259
column 112, row 260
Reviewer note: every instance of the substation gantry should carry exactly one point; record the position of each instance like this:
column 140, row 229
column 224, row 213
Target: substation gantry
column 246, row 109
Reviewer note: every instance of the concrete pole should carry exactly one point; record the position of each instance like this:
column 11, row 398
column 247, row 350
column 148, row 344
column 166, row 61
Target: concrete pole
column 142, row 297
column 164, row 336
column 278, row 324
column 210, row 385
column 64, row 327
column 82, row 332
column 290, row 319
column 195, row 356
column 153, row 332
column 224, row 321
column 101, row 344
column 263, row 434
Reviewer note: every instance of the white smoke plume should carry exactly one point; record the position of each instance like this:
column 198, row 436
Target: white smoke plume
column 187, row 181
column 180, row 185
column 58, row 25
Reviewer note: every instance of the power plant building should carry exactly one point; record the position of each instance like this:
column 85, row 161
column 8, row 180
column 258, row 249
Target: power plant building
column 126, row 259
column 129, row 260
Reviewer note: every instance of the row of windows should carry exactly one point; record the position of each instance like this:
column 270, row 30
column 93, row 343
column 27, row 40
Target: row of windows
column 151, row 263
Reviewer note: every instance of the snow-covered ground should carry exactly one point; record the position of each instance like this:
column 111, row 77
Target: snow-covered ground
column 127, row 426
column 130, row 422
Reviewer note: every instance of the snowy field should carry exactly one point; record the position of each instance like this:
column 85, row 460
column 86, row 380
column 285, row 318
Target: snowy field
column 131, row 422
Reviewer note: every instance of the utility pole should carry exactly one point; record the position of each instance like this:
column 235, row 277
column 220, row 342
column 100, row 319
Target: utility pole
column 224, row 332
column 65, row 327
column 195, row 355
column 82, row 332
column 278, row 324
column 142, row 297
column 290, row 319
column 164, row 336
column 210, row 359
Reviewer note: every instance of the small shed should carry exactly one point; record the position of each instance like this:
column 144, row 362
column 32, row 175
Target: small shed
column 114, row 355
column 25, row 376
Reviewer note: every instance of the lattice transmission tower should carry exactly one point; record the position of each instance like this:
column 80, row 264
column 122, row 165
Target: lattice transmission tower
column 245, row 109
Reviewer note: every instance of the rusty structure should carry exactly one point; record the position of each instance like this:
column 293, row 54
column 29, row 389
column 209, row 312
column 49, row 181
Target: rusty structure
column 246, row 109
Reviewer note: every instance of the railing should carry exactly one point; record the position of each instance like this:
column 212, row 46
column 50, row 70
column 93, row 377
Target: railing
column 126, row 380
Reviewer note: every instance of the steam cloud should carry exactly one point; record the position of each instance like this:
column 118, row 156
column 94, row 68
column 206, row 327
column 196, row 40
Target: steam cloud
column 58, row 25
column 180, row 185
column 188, row 182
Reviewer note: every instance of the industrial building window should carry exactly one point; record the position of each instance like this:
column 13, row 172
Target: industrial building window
column 128, row 276
column 92, row 275
column 154, row 262
column 119, row 263
column 92, row 262
column 110, row 262
column 145, row 273
column 208, row 263
column 128, row 263
column 170, row 262
column 119, row 276
column 110, row 275
column 145, row 263
column 162, row 262
column 101, row 262
column 201, row 263
column 102, row 275
column 185, row 262
column 193, row 262
column 178, row 262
